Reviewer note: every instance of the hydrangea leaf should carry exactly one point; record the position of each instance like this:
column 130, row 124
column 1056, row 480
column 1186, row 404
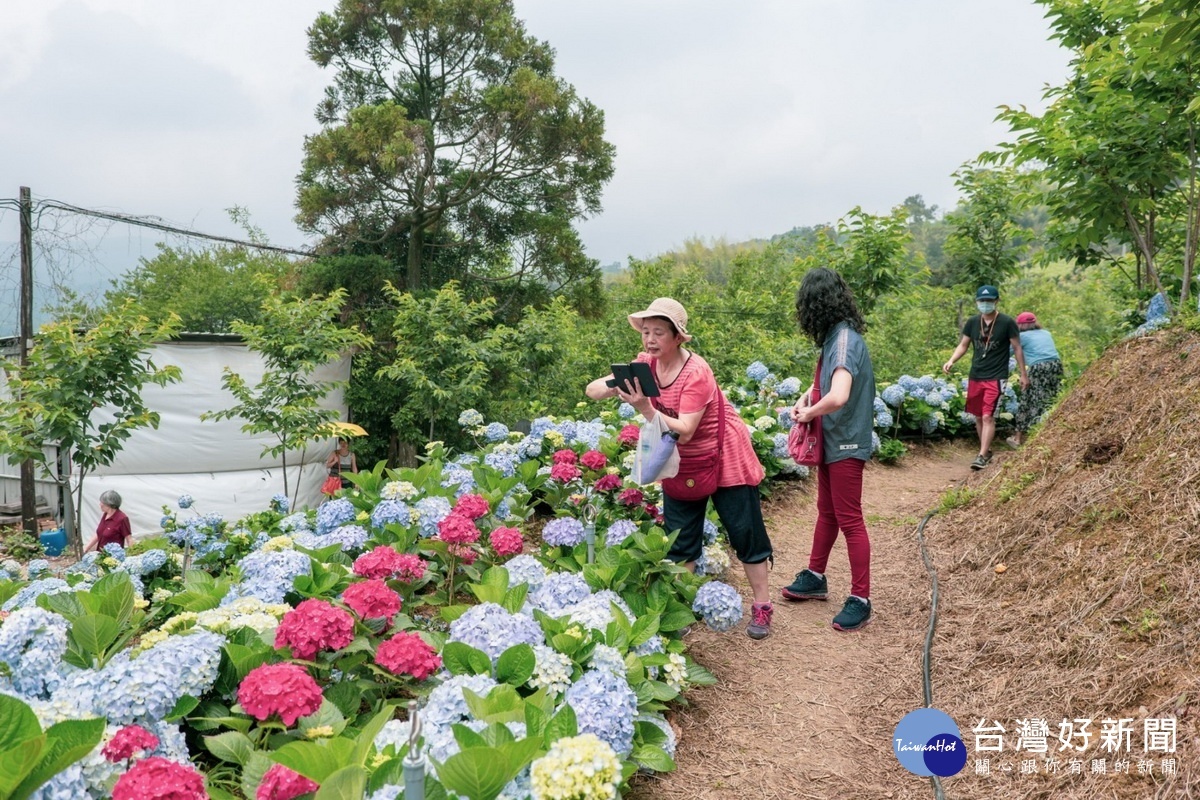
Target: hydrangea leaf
column 18, row 723
column 516, row 665
column 230, row 746
column 18, row 760
column 348, row 783
column 91, row 634
column 253, row 770
column 115, row 593
column 561, row 725
column 653, row 757
column 316, row 760
column 462, row 659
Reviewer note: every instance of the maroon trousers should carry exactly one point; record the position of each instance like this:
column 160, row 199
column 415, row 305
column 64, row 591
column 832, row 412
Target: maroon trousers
column 839, row 506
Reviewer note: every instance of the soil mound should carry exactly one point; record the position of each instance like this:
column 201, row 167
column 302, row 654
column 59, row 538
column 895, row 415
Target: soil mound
column 1069, row 591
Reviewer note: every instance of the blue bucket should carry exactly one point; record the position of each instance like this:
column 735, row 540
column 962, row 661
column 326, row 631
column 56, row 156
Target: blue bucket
column 54, row 542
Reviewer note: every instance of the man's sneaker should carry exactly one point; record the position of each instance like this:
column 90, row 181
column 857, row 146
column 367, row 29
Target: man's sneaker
column 854, row 614
column 760, row 620
column 807, row 586
column 981, row 460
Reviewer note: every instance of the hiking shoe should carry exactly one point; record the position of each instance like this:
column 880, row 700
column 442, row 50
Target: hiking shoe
column 807, row 586
column 982, row 461
column 854, row 614
column 760, row 620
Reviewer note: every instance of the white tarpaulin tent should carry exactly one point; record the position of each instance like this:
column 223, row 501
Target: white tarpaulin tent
column 214, row 462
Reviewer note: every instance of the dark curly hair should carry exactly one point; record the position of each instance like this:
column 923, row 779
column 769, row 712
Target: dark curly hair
column 823, row 301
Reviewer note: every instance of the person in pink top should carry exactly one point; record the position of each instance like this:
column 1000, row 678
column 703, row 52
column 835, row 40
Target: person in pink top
column 691, row 404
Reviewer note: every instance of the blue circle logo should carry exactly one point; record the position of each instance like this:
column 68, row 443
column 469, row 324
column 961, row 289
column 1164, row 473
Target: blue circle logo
column 927, row 742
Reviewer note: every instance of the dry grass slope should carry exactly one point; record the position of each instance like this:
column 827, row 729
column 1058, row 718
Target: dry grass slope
column 1097, row 522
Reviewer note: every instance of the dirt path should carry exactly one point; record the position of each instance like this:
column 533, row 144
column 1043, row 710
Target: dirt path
column 810, row 711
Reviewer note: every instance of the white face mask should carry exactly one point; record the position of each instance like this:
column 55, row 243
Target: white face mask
column 985, row 306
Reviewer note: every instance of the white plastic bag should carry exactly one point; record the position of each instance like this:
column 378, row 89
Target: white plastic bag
column 650, row 454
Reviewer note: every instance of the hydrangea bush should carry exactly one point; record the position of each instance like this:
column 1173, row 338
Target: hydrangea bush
column 282, row 660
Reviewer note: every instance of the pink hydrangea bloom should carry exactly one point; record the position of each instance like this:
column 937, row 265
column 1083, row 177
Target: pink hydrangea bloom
column 565, row 457
column 608, row 483
column 464, row 552
column 472, row 506
column 410, row 568
column 281, row 783
column 629, row 434
column 286, row 690
column 129, row 740
column 382, row 562
column 457, row 529
column 372, row 598
column 408, row 654
column 594, row 459
column 313, row 626
column 631, row 497
column 564, row 472
column 159, row 779
column 506, row 541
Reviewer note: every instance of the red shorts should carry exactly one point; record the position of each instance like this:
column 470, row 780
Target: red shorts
column 983, row 397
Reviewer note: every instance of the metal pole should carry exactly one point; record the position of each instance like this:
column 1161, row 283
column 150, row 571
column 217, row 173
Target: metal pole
column 414, row 762
column 28, row 489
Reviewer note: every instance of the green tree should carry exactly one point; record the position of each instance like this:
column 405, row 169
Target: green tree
column 207, row 289
column 870, row 252
column 1117, row 143
column 450, row 144
column 294, row 336
column 446, row 348
column 985, row 244
column 72, row 374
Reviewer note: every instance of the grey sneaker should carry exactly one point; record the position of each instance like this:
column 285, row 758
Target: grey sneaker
column 807, row 586
column 854, row 614
column 981, row 461
column 760, row 620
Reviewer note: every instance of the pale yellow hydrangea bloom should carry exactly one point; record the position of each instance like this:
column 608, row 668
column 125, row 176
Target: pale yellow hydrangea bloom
column 675, row 672
column 555, row 438
column 140, row 603
column 320, row 732
column 149, row 639
column 277, row 543
column 180, row 622
column 577, row 768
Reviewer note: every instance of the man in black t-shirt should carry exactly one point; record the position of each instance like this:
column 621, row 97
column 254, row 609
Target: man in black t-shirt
column 990, row 334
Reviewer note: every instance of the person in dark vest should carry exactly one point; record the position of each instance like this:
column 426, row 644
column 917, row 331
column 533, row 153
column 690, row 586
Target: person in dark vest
column 990, row 334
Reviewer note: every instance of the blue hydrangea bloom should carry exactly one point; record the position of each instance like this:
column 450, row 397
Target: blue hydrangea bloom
column 350, row 537
column 488, row 627
column 925, row 383
column 719, row 604
column 525, row 569
column 893, row 395
column 40, row 566
column 431, row 511
column 626, row 411
column 29, row 595
column 269, row 575
column 334, row 513
column 785, row 419
column 929, row 425
column 757, row 371
column 115, row 550
column 459, row 477
column 908, row 383
column 966, row 418
column 530, row 447
column 143, row 690
column 788, row 387
column 558, row 591
column 446, row 705
column 589, row 433
column 295, row 522
column 878, row 405
column 32, row 643
column 1157, row 309
column 619, row 531
column 605, row 706
column 186, row 501
column 595, row 610
column 539, row 426
column 66, row 785
column 933, row 398
column 884, row 419
column 504, row 463
column 280, row 503
column 388, row 512
column 876, row 442
column 495, row 431
column 567, row 429
column 711, row 531
column 780, row 449
column 563, row 532
column 145, row 563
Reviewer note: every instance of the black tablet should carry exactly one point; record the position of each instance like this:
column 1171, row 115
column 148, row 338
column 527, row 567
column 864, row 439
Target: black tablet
column 625, row 373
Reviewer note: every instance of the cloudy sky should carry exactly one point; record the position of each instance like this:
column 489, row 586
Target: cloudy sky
column 733, row 120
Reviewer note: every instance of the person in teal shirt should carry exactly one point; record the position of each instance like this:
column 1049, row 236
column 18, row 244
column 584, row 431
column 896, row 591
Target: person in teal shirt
column 1045, row 374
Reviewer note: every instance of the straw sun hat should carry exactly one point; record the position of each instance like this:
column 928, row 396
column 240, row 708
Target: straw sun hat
column 667, row 308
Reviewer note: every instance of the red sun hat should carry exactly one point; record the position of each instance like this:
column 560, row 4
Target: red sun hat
column 1026, row 317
